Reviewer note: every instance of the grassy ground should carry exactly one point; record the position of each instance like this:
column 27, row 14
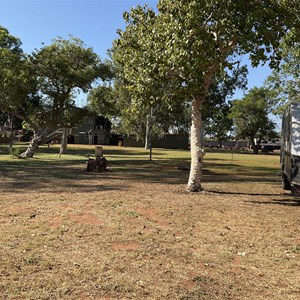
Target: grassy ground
column 133, row 232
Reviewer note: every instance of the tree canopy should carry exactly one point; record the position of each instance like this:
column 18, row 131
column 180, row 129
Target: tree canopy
column 284, row 81
column 139, row 86
column 40, row 88
column 250, row 116
column 17, row 85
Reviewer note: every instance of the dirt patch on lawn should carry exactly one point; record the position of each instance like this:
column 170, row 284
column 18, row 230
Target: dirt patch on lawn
column 111, row 237
column 128, row 246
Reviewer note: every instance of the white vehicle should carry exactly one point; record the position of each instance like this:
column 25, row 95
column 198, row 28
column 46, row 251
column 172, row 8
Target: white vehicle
column 290, row 149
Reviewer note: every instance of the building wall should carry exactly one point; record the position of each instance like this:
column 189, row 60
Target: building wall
column 168, row 141
column 92, row 131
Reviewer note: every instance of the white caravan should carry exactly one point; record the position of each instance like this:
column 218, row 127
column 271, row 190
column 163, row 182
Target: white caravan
column 290, row 149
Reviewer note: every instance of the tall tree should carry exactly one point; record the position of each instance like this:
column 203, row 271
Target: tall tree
column 139, row 86
column 192, row 43
column 215, row 116
column 218, row 125
column 131, row 117
column 284, row 81
column 40, row 88
column 250, row 116
column 61, row 69
column 17, row 83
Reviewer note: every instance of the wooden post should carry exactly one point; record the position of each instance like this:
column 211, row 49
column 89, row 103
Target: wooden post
column 98, row 151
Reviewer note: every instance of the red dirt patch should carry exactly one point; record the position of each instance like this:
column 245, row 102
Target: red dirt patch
column 152, row 215
column 127, row 246
column 54, row 222
column 88, row 218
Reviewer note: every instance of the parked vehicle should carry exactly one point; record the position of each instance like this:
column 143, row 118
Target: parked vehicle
column 270, row 145
column 290, row 149
column 267, row 145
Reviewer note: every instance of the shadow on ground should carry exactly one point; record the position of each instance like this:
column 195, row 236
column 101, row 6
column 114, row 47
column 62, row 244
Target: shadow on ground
column 289, row 200
column 126, row 165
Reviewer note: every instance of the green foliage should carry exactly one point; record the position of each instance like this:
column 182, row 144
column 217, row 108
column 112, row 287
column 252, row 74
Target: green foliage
column 17, row 85
column 218, row 124
column 250, row 116
column 65, row 65
column 139, row 85
column 40, row 88
column 202, row 38
column 183, row 51
column 62, row 69
column 102, row 101
column 284, row 81
column 9, row 42
column 215, row 115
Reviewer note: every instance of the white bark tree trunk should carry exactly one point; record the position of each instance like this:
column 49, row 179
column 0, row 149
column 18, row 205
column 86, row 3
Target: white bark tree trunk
column 147, row 139
column 194, row 183
column 41, row 136
column 64, row 141
column 149, row 125
column 35, row 142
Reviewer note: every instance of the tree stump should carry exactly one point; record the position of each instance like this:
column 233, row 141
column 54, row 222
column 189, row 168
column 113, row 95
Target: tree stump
column 97, row 165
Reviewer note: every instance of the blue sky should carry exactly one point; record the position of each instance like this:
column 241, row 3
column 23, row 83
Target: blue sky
column 94, row 21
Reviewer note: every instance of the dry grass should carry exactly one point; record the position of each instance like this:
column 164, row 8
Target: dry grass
column 134, row 233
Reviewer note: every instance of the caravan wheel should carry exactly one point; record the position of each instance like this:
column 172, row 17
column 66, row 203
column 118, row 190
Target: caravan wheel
column 286, row 185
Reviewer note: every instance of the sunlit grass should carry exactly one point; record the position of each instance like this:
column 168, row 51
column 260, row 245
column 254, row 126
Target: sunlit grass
column 243, row 163
column 223, row 162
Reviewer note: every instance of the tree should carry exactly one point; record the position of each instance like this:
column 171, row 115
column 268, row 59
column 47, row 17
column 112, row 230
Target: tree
column 14, row 124
column 250, row 117
column 40, row 88
column 115, row 102
column 16, row 82
column 61, row 69
column 219, row 125
column 284, row 81
column 215, row 116
column 138, row 86
column 18, row 95
column 193, row 43
column 137, row 90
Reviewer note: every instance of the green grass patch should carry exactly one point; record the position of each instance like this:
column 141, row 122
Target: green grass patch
column 217, row 162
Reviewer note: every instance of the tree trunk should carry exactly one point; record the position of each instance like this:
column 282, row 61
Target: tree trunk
column 194, row 183
column 148, row 129
column 254, row 146
column 11, row 134
column 147, row 138
column 35, row 142
column 40, row 137
column 64, row 141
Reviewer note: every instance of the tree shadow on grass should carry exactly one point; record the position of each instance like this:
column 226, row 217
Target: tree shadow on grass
column 54, row 187
column 289, row 201
column 38, row 173
column 50, row 176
